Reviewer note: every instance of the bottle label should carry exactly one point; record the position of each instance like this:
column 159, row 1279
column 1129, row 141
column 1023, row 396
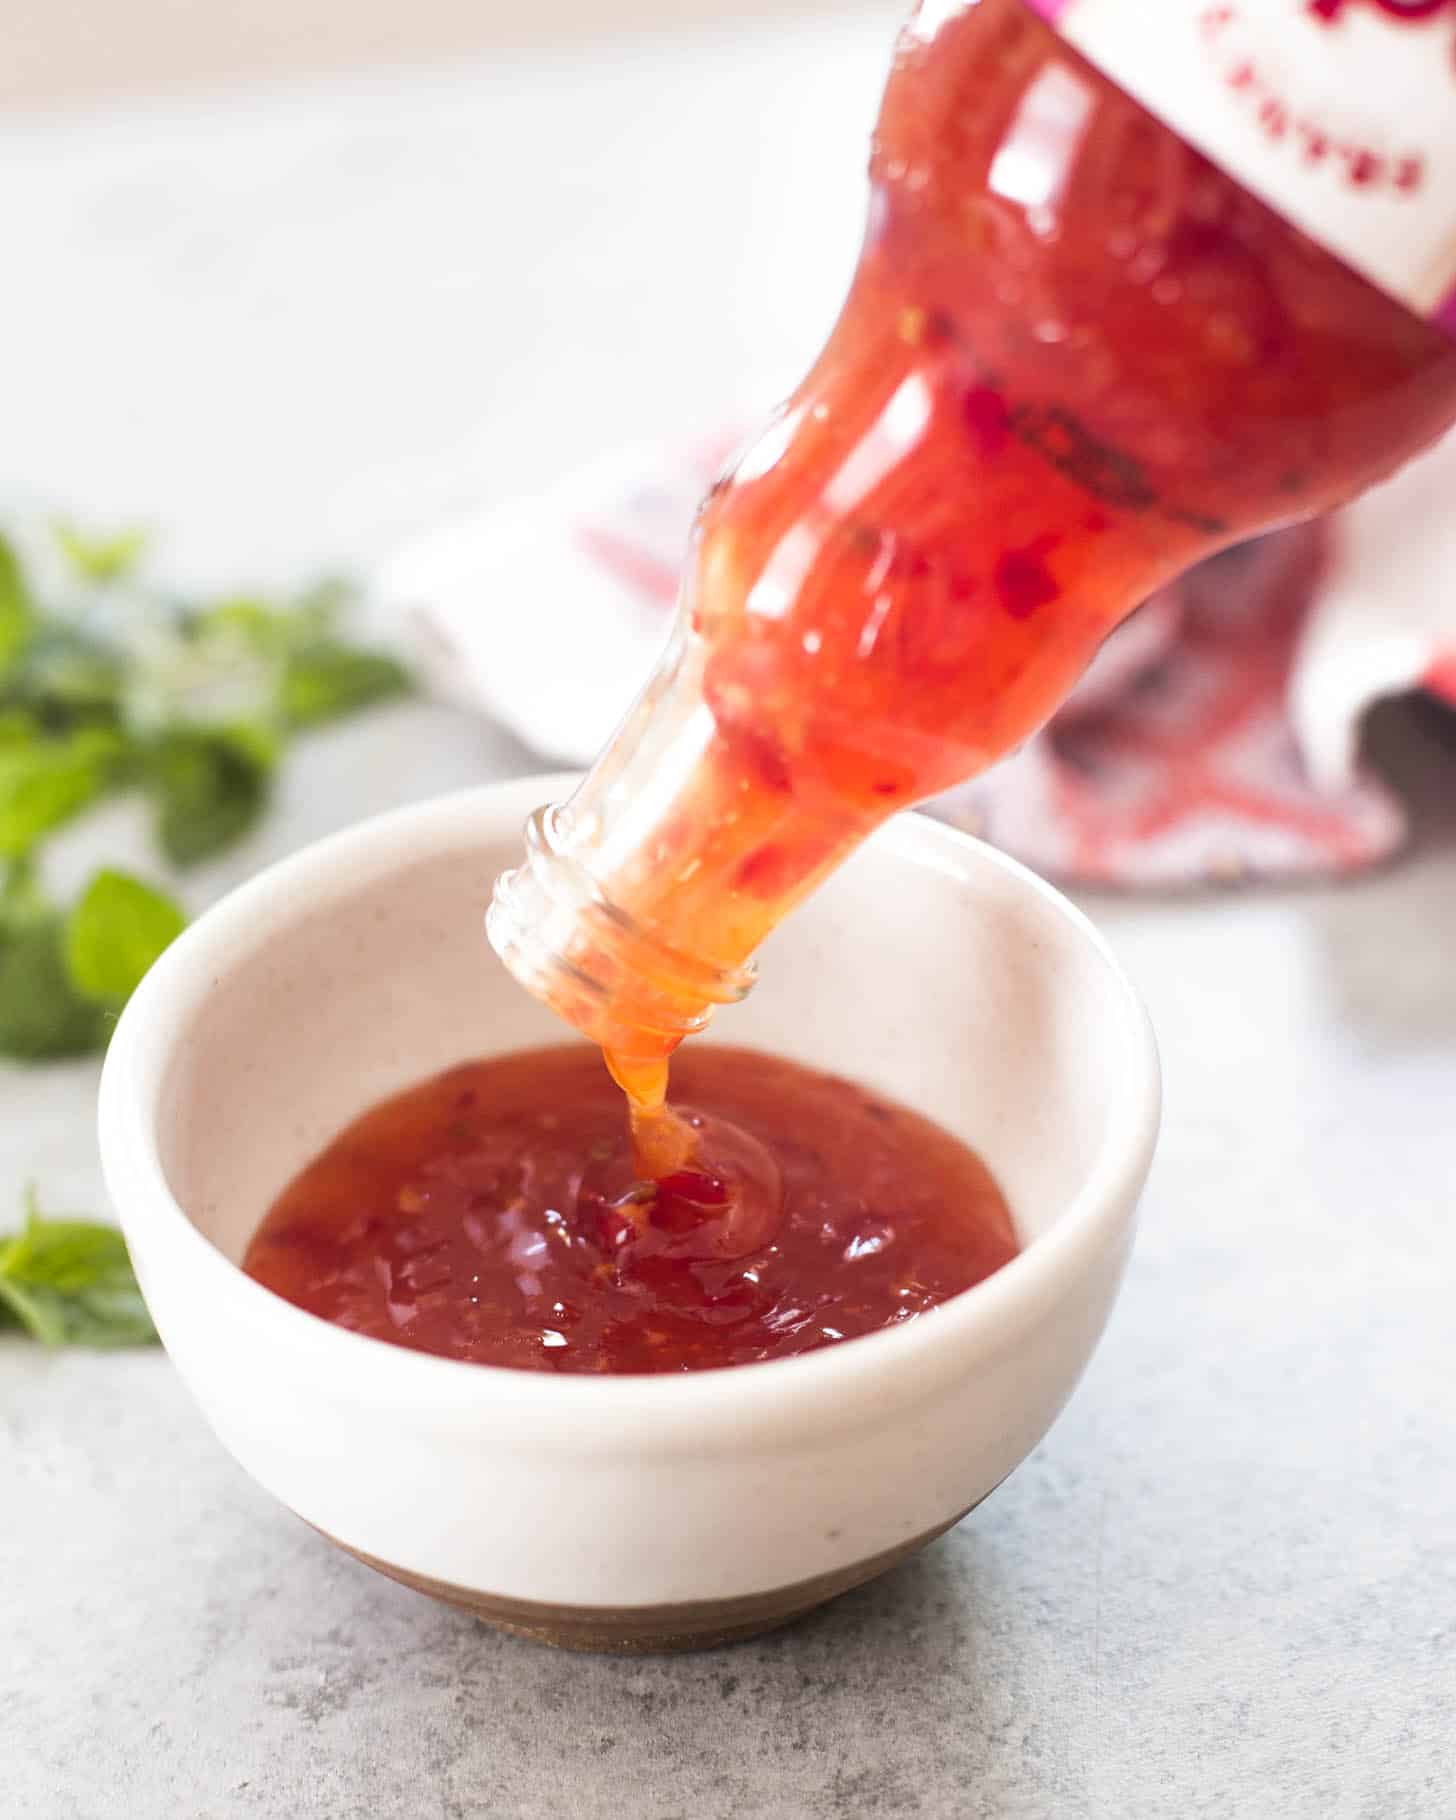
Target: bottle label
column 1340, row 114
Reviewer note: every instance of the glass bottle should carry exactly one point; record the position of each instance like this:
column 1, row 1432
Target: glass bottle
column 1077, row 357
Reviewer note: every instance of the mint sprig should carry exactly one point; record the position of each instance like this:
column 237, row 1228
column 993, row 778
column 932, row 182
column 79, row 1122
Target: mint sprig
column 114, row 933
column 70, row 1283
column 108, row 685
column 44, row 1017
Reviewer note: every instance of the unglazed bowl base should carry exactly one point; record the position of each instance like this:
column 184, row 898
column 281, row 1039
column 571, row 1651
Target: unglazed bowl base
column 651, row 1630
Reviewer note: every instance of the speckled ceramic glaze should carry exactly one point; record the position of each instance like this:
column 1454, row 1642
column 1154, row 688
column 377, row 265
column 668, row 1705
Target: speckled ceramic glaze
column 627, row 1513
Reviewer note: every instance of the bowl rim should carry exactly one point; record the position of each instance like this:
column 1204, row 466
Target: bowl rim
column 771, row 1395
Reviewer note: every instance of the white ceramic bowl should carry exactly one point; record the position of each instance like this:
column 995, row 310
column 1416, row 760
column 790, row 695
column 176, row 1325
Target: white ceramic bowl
column 628, row 1512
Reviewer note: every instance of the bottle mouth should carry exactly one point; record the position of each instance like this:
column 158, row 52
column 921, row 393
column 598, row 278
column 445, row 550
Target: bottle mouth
column 565, row 941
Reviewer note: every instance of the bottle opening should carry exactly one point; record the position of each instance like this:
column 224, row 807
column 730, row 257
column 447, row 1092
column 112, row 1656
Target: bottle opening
column 562, row 937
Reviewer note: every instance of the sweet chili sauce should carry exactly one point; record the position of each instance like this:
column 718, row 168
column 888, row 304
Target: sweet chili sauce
column 1076, row 358
column 491, row 1214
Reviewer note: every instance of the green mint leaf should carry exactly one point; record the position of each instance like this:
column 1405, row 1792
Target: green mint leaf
column 70, row 676
column 211, row 786
column 18, row 727
column 42, row 1016
column 118, row 928
column 272, row 628
column 70, row 1282
column 253, row 622
column 47, row 781
column 23, row 901
column 100, row 559
column 17, row 611
column 36, row 1312
column 328, row 679
column 317, row 611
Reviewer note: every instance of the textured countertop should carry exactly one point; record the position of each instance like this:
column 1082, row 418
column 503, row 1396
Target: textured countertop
column 294, row 327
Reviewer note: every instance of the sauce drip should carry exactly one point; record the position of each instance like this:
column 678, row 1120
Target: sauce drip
column 494, row 1214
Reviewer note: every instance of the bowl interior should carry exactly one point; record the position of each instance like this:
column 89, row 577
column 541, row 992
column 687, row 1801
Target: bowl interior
column 927, row 968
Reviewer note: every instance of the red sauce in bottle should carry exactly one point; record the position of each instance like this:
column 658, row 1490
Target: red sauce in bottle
column 491, row 1215
column 1075, row 359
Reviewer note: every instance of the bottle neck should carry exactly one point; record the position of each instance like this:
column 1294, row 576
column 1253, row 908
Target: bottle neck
column 590, row 923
